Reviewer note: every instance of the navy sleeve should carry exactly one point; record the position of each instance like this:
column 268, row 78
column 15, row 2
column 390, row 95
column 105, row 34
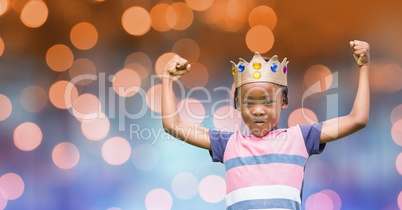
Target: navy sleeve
column 311, row 135
column 219, row 140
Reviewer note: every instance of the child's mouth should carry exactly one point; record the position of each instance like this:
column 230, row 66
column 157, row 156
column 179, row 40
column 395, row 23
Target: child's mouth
column 259, row 122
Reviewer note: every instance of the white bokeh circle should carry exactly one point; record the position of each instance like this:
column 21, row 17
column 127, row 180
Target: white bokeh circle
column 185, row 185
column 212, row 189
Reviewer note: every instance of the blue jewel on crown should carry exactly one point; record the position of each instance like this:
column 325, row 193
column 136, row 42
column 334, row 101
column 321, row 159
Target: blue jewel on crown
column 274, row 67
column 241, row 67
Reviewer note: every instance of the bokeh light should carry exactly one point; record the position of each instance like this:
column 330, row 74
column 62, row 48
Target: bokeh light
column 398, row 163
column 6, row 107
column 59, row 57
column 214, row 14
column 319, row 201
column 179, row 16
column 84, row 36
column 130, row 3
column 391, row 78
column 396, row 113
column 1, row 46
column 212, row 188
column 159, row 17
column 154, row 98
column 191, row 110
column 197, row 77
column 260, row 39
column 87, row 107
column 399, row 201
column 140, row 58
column 18, row 5
column 65, row 155
column 126, row 82
column 33, row 98
column 34, row 14
column 145, row 157
column 319, row 174
column 4, row 5
column 27, row 136
column 396, row 132
column 236, row 14
column 158, row 199
column 3, row 200
column 302, row 116
column 199, row 5
column 140, row 69
column 262, row 15
column 140, row 63
column 185, row 185
column 116, row 150
column 336, row 200
column 63, row 94
column 97, row 128
column 318, row 73
column 227, row 118
column 136, row 21
column 12, row 185
column 96, row 2
column 82, row 69
column 188, row 48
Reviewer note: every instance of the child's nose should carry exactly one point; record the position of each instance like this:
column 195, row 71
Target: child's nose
column 258, row 111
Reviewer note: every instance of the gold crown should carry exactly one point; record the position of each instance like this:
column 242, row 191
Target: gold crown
column 259, row 70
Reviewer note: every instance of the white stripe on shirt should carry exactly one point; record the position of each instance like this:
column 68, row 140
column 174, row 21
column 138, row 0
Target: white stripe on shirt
column 263, row 192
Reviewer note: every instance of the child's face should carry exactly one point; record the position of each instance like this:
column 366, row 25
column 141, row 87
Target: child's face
column 261, row 105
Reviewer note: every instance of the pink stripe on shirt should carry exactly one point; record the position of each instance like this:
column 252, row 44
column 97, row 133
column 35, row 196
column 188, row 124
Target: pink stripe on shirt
column 264, row 174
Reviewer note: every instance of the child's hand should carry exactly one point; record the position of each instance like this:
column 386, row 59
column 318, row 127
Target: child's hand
column 361, row 52
column 178, row 66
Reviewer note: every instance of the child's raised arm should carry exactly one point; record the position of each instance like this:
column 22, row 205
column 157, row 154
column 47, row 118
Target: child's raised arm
column 358, row 117
column 172, row 123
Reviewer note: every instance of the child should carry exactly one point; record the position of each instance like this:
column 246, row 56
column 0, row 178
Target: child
column 265, row 169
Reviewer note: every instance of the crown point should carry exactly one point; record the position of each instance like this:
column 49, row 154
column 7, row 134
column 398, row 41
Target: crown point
column 233, row 67
column 257, row 56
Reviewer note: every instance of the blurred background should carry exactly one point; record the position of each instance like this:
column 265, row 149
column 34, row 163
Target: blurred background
column 80, row 95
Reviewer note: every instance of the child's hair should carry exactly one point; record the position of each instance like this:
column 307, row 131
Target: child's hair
column 284, row 93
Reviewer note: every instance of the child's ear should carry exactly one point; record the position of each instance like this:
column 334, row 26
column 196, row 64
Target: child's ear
column 284, row 103
column 237, row 101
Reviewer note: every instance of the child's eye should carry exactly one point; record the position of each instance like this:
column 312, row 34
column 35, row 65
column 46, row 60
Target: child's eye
column 248, row 103
column 269, row 102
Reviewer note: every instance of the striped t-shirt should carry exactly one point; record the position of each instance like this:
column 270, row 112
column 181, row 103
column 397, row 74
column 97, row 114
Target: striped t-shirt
column 265, row 172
